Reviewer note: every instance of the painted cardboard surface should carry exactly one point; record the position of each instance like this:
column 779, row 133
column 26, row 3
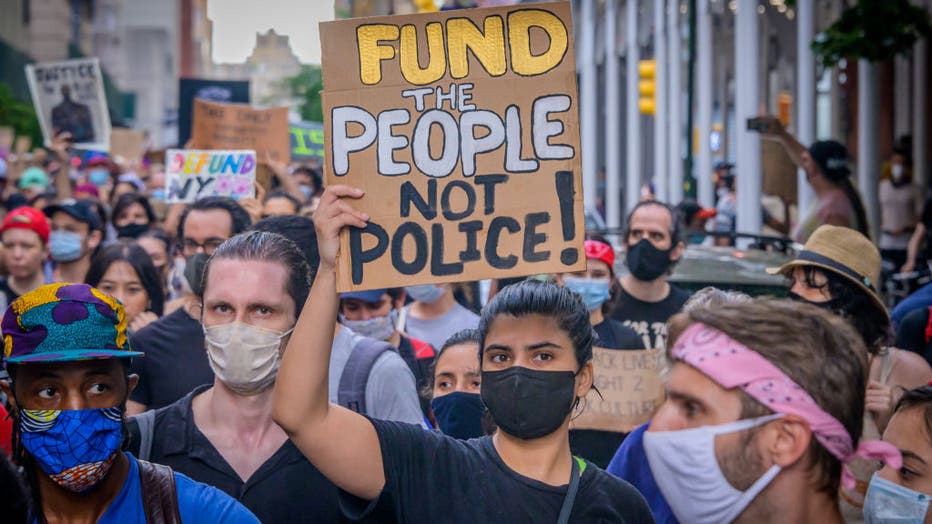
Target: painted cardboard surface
column 238, row 126
column 462, row 127
column 192, row 174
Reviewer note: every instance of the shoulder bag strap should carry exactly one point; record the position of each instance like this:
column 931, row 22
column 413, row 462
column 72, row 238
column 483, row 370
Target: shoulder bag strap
column 159, row 497
column 351, row 393
column 146, row 423
column 570, row 498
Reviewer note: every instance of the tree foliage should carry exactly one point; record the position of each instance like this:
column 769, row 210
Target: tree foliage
column 307, row 86
column 19, row 115
column 875, row 30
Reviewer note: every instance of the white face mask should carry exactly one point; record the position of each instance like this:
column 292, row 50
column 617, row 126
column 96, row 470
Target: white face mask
column 687, row 472
column 897, row 171
column 887, row 502
column 379, row 328
column 244, row 357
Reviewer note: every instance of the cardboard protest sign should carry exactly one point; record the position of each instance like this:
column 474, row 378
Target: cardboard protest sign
column 190, row 89
column 192, row 174
column 69, row 96
column 462, row 128
column 127, row 145
column 631, row 389
column 307, row 141
column 779, row 171
column 238, row 126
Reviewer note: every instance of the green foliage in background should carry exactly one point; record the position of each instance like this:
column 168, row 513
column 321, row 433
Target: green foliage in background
column 875, row 30
column 307, row 86
column 19, row 115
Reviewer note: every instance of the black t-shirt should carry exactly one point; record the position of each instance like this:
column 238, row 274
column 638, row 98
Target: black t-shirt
column 175, row 360
column 286, row 488
column 591, row 444
column 649, row 319
column 432, row 478
column 8, row 294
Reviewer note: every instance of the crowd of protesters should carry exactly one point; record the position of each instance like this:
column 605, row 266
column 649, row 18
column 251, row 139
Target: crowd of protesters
column 195, row 363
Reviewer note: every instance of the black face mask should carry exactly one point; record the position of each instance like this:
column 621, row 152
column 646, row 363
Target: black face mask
column 194, row 271
column 459, row 414
column 832, row 306
column 527, row 403
column 646, row 262
column 132, row 230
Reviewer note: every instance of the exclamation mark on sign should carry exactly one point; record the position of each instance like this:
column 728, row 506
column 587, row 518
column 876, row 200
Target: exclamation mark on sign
column 565, row 193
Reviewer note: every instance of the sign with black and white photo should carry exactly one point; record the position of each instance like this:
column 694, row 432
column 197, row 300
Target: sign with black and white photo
column 69, row 97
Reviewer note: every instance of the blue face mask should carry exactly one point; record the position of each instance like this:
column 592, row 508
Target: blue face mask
column 887, row 503
column 459, row 414
column 75, row 448
column 65, row 246
column 379, row 328
column 307, row 191
column 428, row 293
column 158, row 194
column 594, row 291
column 99, row 177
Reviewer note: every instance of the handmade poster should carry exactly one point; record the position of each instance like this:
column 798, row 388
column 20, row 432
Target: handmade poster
column 630, row 386
column 462, row 128
column 307, row 141
column 127, row 146
column 191, row 174
column 69, row 96
column 238, row 126
column 190, row 89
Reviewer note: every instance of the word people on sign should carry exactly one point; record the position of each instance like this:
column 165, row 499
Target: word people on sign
column 194, row 174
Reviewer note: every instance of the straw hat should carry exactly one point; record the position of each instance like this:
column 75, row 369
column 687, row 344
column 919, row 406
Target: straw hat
column 843, row 252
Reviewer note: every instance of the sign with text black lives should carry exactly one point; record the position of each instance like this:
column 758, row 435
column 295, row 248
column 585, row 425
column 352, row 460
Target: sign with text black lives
column 462, row 128
column 629, row 390
column 69, row 97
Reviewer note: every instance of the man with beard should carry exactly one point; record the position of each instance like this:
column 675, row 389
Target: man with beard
column 763, row 415
column 652, row 247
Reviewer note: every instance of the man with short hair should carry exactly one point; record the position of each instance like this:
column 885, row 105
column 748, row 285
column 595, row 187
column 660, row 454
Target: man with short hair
column 66, row 353
column 76, row 234
column 175, row 361
column 764, row 411
column 652, row 247
column 254, row 288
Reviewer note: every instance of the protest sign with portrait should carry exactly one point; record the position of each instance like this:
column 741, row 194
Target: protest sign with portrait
column 69, row 97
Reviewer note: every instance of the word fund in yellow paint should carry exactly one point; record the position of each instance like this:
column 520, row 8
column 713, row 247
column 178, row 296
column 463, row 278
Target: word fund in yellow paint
column 448, row 46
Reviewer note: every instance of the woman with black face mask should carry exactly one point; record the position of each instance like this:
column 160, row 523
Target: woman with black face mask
column 838, row 270
column 535, row 363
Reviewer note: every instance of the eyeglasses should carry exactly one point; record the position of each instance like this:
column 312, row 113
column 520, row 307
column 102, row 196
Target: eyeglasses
column 191, row 246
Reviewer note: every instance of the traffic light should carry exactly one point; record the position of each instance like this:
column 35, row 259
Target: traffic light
column 646, row 86
column 425, row 6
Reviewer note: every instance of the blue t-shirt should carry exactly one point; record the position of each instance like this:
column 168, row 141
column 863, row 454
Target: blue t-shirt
column 630, row 464
column 197, row 503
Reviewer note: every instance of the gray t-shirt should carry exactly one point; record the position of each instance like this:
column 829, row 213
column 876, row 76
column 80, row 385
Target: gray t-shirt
column 391, row 392
column 436, row 331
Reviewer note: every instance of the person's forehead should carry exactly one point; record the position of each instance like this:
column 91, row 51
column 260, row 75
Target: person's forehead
column 27, row 372
column 208, row 223
column 134, row 207
column 121, row 271
column 460, row 358
column 653, row 217
column 247, row 281
column 524, row 331
column 18, row 234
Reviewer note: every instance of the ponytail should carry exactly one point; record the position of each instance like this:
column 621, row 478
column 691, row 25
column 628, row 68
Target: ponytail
column 855, row 199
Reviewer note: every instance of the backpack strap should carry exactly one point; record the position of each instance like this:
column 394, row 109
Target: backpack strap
column 351, row 393
column 159, row 496
column 146, row 423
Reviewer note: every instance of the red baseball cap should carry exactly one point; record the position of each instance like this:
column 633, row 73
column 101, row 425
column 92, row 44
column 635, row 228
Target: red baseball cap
column 600, row 251
column 28, row 218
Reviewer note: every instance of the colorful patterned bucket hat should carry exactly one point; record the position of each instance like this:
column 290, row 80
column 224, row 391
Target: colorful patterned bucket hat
column 64, row 322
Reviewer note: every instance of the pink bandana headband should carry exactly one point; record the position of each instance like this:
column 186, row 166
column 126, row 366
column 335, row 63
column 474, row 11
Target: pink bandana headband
column 731, row 365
